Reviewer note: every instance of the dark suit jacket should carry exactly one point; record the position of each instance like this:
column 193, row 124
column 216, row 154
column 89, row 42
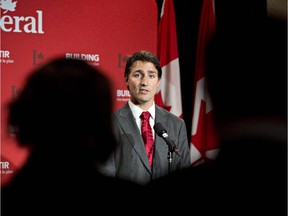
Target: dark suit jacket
column 130, row 161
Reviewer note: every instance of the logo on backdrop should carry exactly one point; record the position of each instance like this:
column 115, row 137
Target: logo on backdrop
column 93, row 59
column 123, row 95
column 38, row 57
column 5, row 57
column 14, row 92
column 4, row 167
column 29, row 24
column 7, row 5
column 122, row 59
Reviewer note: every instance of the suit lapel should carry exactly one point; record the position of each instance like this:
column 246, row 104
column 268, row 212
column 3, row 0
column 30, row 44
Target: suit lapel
column 129, row 126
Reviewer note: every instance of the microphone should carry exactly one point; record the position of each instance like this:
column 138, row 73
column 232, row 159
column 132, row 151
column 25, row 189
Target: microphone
column 161, row 131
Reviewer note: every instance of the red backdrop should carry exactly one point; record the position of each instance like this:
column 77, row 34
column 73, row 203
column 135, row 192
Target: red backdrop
column 101, row 32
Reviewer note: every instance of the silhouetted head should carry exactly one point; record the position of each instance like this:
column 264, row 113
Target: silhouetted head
column 65, row 104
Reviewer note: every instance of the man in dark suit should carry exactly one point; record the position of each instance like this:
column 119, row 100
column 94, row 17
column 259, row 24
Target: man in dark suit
column 142, row 76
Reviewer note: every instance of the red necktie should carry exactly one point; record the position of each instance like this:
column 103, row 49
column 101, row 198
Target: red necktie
column 147, row 135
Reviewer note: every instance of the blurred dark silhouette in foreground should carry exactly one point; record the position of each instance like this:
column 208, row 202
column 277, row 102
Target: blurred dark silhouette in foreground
column 63, row 114
column 247, row 82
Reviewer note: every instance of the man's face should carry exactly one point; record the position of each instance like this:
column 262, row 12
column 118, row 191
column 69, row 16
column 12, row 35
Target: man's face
column 143, row 82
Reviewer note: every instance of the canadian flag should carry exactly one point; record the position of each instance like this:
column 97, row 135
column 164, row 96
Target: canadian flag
column 204, row 142
column 169, row 92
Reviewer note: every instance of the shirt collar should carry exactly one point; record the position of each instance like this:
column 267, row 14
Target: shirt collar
column 137, row 110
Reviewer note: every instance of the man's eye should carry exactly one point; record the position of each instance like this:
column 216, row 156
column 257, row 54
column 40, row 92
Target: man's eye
column 152, row 75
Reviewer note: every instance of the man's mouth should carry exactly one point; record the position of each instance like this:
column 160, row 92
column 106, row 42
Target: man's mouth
column 145, row 91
